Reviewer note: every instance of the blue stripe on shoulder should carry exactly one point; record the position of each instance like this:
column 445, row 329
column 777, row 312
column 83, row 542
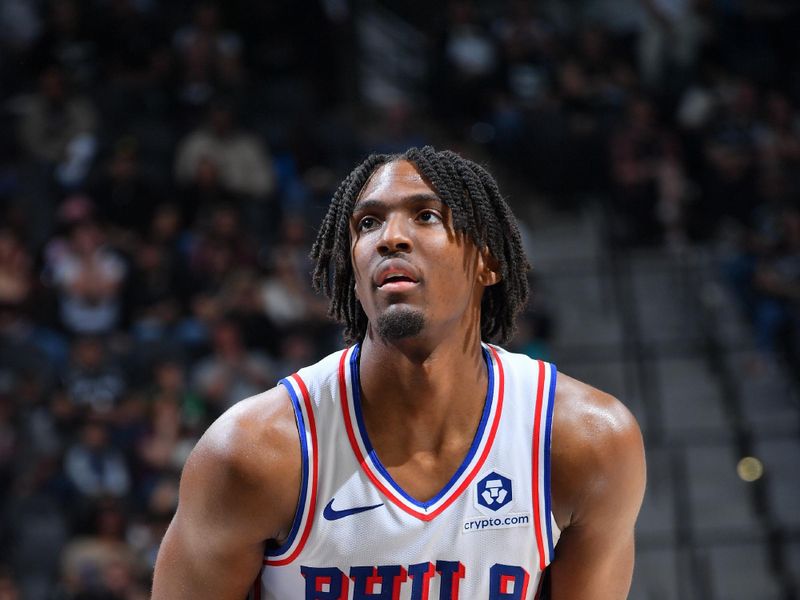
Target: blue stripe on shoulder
column 298, row 515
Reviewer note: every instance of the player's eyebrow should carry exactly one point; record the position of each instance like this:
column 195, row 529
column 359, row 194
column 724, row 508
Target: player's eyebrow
column 377, row 203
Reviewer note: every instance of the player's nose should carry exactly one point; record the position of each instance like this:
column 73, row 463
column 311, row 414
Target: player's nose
column 395, row 236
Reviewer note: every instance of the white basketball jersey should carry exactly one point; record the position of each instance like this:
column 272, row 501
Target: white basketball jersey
column 489, row 534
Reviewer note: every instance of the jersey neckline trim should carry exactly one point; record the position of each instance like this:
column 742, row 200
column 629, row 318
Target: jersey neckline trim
column 350, row 388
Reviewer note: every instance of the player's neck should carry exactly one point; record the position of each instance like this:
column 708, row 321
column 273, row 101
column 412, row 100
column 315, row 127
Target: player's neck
column 422, row 377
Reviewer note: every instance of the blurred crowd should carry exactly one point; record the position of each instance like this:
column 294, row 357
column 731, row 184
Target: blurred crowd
column 682, row 117
column 163, row 166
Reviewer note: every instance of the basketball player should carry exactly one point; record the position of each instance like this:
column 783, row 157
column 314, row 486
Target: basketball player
column 421, row 462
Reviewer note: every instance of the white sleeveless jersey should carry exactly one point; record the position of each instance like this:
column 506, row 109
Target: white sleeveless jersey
column 489, row 534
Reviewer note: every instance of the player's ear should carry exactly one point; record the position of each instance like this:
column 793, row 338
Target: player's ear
column 488, row 268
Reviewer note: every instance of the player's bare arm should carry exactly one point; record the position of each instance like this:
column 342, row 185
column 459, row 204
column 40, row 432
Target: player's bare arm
column 239, row 488
column 598, row 480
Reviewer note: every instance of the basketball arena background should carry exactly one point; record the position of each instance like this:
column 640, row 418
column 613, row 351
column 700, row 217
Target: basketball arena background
column 164, row 164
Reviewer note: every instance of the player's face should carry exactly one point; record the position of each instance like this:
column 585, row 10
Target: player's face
column 409, row 263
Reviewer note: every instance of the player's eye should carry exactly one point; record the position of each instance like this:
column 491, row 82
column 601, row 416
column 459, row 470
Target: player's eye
column 429, row 216
column 367, row 223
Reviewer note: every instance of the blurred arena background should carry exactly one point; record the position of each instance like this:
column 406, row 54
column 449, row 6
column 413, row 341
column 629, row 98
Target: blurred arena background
column 163, row 166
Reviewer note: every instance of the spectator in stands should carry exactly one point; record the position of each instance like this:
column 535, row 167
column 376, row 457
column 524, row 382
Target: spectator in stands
column 205, row 28
column 287, row 296
column 20, row 25
column 204, row 191
column 35, row 423
column 93, row 381
column 152, row 294
column 244, row 164
column 171, row 386
column 67, row 39
column 648, row 178
column 211, row 58
column 38, row 518
column 162, row 287
column 124, row 197
column 57, row 127
column 128, row 423
column 240, row 297
column 469, row 68
column 166, row 227
column 163, row 450
column 670, row 40
column 101, row 564
column 778, row 138
column 94, row 467
column 88, row 277
column 288, row 299
column 777, row 284
column 296, row 348
column 16, row 270
column 222, row 244
column 168, row 233
column 231, row 372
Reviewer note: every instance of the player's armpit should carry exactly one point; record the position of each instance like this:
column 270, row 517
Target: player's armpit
column 239, row 488
column 598, row 482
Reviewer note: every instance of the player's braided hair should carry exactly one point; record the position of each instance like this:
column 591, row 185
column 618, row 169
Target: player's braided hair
column 478, row 210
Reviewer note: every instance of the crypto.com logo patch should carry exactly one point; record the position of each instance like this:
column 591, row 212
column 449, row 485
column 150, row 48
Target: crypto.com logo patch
column 493, row 492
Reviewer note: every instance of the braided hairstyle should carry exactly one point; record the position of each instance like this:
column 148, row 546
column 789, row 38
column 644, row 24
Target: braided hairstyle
column 478, row 210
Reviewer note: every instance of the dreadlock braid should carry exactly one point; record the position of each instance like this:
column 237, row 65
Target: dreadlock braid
column 478, row 210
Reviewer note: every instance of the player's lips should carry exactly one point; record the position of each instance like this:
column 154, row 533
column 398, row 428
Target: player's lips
column 395, row 275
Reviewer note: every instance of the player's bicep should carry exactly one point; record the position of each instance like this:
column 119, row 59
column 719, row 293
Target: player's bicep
column 190, row 568
column 594, row 556
column 592, row 564
column 207, row 551
column 239, row 488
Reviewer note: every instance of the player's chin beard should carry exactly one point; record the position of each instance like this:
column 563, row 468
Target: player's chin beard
column 400, row 324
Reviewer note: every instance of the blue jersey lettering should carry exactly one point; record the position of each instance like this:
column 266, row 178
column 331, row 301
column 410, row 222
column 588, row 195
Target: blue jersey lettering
column 421, row 574
column 385, row 582
column 507, row 582
column 325, row 583
column 366, row 580
column 451, row 572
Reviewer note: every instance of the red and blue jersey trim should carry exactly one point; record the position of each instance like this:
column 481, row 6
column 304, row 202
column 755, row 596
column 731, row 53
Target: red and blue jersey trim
column 543, row 418
column 365, row 454
column 304, row 515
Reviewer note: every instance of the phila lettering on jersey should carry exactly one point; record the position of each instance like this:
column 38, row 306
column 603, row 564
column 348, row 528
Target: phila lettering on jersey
column 489, row 534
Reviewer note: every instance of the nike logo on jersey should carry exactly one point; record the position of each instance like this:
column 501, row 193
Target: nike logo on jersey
column 331, row 514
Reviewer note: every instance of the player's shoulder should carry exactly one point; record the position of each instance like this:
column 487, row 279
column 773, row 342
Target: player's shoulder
column 583, row 415
column 256, row 440
column 589, row 414
column 244, row 472
column 596, row 442
column 267, row 419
